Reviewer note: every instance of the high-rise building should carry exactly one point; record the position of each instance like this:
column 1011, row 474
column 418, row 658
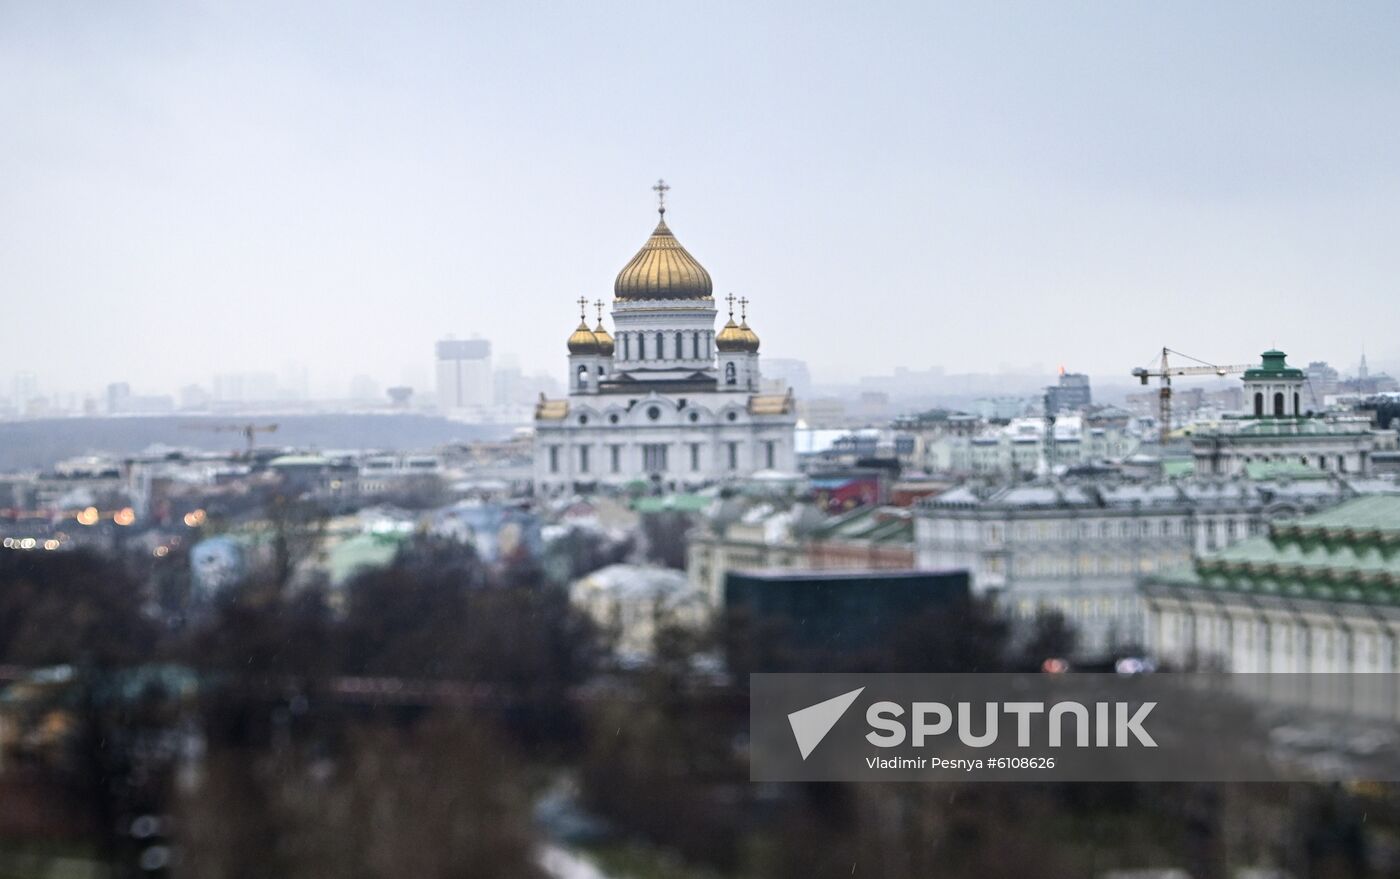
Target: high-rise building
column 786, row 373
column 1322, row 382
column 464, row 374
column 118, row 398
column 1070, row 395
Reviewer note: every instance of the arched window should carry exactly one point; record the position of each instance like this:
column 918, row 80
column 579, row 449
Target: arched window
column 641, row 346
column 731, row 375
column 660, row 346
column 680, row 345
column 1258, row 405
column 582, row 376
column 1278, row 405
column 626, row 347
column 1296, row 408
column 695, row 345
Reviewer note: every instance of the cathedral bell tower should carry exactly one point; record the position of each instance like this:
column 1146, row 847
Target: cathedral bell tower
column 590, row 352
column 738, row 351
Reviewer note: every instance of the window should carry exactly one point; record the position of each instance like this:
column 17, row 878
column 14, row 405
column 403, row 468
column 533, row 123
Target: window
column 553, row 459
column 695, row 345
column 654, row 457
column 733, row 455
column 1258, row 404
column 694, row 456
column 769, row 455
column 615, row 452
column 680, row 345
column 731, row 375
column 641, row 347
column 1278, row 405
column 653, row 412
column 626, row 346
column 660, row 346
column 1296, row 407
column 583, row 459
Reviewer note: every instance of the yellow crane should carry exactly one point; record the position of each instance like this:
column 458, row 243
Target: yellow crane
column 249, row 431
column 1165, row 371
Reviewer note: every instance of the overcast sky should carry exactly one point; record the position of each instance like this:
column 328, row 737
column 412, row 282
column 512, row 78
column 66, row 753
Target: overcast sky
column 191, row 188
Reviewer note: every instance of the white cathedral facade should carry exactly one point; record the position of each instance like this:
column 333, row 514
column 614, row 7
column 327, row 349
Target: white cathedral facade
column 663, row 399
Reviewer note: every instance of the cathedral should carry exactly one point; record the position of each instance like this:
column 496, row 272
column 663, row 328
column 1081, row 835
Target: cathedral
column 662, row 399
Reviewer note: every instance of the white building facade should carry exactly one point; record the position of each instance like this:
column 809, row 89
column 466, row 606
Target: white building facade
column 664, row 399
column 1080, row 549
column 1274, row 429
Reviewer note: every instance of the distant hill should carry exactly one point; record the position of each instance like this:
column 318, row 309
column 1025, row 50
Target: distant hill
column 38, row 444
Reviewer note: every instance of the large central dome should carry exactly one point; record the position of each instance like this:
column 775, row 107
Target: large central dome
column 663, row 269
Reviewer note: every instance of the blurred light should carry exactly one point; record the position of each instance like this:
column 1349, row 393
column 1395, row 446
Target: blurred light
column 9, row 542
column 195, row 518
column 50, row 544
column 157, row 857
column 28, row 543
column 1054, row 666
column 124, row 516
column 88, row 516
column 1132, row 665
column 161, row 551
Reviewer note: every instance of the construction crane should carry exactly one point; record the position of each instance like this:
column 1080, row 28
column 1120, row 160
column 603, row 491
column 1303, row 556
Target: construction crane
column 1165, row 372
column 249, row 431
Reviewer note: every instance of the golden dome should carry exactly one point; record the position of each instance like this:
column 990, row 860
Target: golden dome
column 605, row 340
column 583, row 341
column 663, row 269
column 750, row 337
column 731, row 338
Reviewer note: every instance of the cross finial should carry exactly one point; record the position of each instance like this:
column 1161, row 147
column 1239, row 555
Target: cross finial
column 599, row 303
column 730, row 300
column 661, row 188
column 743, row 309
column 582, row 308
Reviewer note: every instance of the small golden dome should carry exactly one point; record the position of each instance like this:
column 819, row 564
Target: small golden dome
column 731, row 338
column 750, row 337
column 583, row 341
column 663, row 269
column 605, row 340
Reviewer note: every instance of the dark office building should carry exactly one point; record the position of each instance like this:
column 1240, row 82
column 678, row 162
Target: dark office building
column 827, row 621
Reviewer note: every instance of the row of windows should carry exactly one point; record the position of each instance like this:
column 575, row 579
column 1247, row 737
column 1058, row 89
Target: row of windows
column 1090, row 565
column 1283, row 640
column 1067, row 530
column 655, row 457
column 661, row 344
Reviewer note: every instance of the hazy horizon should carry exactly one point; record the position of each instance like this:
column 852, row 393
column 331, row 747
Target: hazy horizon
column 212, row 188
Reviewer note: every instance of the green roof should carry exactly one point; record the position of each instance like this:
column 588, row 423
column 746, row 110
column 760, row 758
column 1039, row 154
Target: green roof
column 680, row 503
column 1275, row 366
column 1178, row 467
column 350, row 555
column 1348, row 553
column 1377, row 512
column 1282, row 470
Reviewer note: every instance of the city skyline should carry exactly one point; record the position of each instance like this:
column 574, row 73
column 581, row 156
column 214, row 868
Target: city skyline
column 342, row 187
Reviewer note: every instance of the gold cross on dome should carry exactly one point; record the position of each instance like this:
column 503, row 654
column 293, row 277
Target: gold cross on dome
column 599, row 303
column 582, row 308
column 661, row 188
column 743, row 309
column 730, row 300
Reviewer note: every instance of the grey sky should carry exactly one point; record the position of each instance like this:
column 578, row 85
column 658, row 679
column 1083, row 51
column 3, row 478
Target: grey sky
column 199, row 187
